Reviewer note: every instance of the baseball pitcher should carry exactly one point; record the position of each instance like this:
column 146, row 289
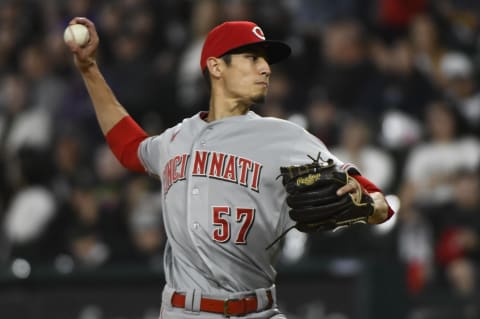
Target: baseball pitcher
column 232, row 182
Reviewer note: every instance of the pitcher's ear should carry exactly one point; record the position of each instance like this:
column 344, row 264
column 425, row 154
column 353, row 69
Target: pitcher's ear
column 214, row 66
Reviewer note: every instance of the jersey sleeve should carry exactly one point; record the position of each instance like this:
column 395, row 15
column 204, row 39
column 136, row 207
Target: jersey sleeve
column 123, row 139
column 150, row 154
column 318, row 149
column 306, row 147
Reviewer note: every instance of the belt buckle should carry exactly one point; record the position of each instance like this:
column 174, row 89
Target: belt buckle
column 225, row 306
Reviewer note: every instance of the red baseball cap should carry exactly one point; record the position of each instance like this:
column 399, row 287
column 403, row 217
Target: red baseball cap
column 236, row 34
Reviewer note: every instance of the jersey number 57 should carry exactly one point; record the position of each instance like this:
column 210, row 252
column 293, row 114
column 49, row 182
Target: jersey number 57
column 223, row 219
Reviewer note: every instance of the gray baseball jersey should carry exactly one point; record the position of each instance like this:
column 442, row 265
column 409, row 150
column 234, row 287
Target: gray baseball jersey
column 223, row 203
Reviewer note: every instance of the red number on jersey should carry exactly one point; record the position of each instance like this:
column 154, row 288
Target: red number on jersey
column 245, row 216
column 221, row 233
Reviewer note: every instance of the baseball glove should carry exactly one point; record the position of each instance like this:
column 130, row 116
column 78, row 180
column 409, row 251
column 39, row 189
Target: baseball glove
column 312, row 197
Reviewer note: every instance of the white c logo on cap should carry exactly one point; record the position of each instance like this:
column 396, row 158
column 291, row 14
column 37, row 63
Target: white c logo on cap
column 258, row 32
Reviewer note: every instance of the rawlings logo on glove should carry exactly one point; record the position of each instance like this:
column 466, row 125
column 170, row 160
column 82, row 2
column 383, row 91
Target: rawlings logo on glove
column 308, row 180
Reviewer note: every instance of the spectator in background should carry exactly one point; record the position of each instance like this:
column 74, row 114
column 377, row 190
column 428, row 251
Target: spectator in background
column 427, row 44
column 21, row 123
column 69, row 154
column 109, row 196
column 32, row 208
column 404, row 87
column 415, row 246
column 457, row 229
column 458, row 80
column 400, row 101
column 457, row 255
column 430, row 166
column 356, row 147
column 85, row 242
column 144, row 217
column 459, row 21
column 348, row 75
column 110, row 17
column 20, row 26
column 323, row 118
column 130, row 72
column 46, row 89
column 191, row 91
column 60, row 66
column 394, row 16
column 319, row 13
column 96, row 231
column 92, row 223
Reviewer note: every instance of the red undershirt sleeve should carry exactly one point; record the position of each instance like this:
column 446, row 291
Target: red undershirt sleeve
column 371, row 188
column 124, row 139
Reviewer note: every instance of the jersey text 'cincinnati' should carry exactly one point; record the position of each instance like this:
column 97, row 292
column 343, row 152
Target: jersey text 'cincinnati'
column 222, row 166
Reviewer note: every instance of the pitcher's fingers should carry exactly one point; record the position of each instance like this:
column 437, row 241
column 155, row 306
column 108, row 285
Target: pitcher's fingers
column 72, row 21
column 93, row 41
column 81, row 20
column 347, row 188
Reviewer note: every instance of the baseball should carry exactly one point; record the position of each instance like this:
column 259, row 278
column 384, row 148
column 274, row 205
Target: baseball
column 77, row 33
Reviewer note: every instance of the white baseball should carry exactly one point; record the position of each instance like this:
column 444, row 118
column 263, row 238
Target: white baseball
column 77, row 33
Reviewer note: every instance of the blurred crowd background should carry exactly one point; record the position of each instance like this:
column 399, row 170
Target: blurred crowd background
column 389, row 85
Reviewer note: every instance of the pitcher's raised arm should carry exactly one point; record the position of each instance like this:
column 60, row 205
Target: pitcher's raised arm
column 122, row 133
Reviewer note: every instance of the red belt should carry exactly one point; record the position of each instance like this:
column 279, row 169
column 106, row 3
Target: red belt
column 227, row 307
